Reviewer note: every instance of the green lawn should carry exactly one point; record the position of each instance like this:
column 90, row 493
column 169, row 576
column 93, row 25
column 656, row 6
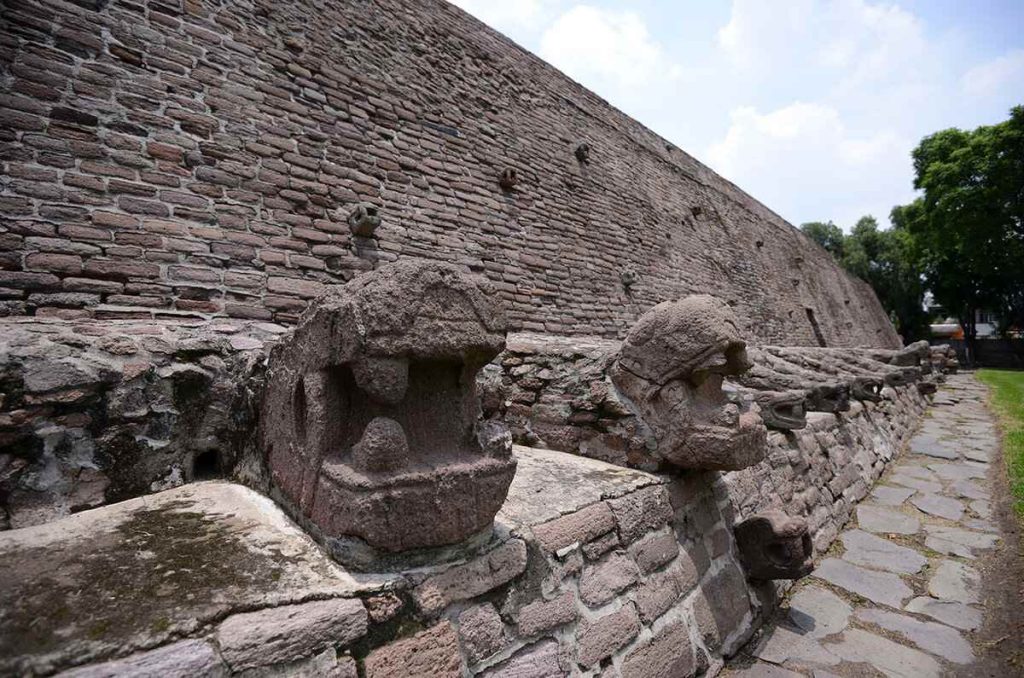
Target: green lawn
column 1008, row 397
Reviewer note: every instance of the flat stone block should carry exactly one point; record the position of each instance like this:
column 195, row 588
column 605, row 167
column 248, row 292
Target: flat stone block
column 668, row 653
column 937, row 505
column 881, row 554
column 468, row 580
column 884, row 521
column 888, row 657
column 433, row 653
column 289, row 633
column 818, row 612
column 955, row 581
column 539, row 660
column 184, row 659
column 891, row 496
column 883, row 588
column 601, row 637
column 932, row 637
column 948, row 612
column 193, row 555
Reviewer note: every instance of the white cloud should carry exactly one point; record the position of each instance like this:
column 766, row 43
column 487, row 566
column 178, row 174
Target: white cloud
column 516, row 18
column 1004, row 73
column 802, row 161
column 611, row 52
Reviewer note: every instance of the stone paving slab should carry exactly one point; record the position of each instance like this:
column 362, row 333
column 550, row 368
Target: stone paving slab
column 899, row 594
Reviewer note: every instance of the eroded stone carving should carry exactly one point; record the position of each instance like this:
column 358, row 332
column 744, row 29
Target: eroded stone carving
column 671, row 367
column 370, row 422
column 508, row 179
column 364, row 220
column 582, row 152
column 782, row 410
column 774, row 545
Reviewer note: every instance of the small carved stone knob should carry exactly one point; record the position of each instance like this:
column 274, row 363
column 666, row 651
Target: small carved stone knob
column 582, row 152
column 629, row 277
column 364, row 220
column 508, row 179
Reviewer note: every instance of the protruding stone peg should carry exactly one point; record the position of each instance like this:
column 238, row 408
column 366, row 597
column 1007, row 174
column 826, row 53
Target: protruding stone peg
column 364, row 220
column 382, row 447
column 629, row 277
column 774, row 545
column 582, row 153
column 508, row 179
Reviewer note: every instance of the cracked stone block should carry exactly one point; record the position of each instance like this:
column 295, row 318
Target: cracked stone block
column 818, row 612
column 936, row 505
column 891, row 496
column 370, row 423
column 603, row 580
column 579, row 527
column 955, row 581
column 541, row 616
column 468, row 580
column 654, row 550
column 660, row 591
column 641, row 512
column 289, row 633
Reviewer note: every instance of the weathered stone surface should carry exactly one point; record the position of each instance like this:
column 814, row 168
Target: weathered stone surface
column 773, row 545
column 578, row 527
column 781, row 644
column 289, row 633
column 641, row 512
column 878, row 553
column 885, row 655
column 668, row 653
column 884, row 588
column 228, row 547
column 603, row 580
column 891, row 496
column 661, row 590
column 183, row 659
column 671, row 366
column 408, row 466
column 542, row 616
column 901, row 478
column 937, row 505
column 955, row 581
column 883, row 521
column 970, row 539
column 765, row 670
column 654, row 550
column 932, row 637
column 727, row 594
column 948, row 612
column 482, row 632
column 602, row 636
column 433, row 653
column 818, row 612
column 540, row 660
column 933, row 448
column 481, row 574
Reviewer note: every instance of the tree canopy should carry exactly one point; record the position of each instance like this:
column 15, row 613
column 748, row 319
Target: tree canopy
column 963, row 239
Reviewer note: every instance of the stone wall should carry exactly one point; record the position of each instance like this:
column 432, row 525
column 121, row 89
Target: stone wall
column 194, row 159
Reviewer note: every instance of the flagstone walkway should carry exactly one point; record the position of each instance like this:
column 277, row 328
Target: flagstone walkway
column 899, row 593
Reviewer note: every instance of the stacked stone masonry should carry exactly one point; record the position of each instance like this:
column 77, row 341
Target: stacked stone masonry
column 188, row 159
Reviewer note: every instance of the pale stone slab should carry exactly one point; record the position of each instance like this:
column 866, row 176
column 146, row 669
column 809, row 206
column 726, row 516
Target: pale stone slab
column 982, row 508
column 948, row 612
column 888, row 657
column 968, row 538
column 764, row 670
column 937, row 505
column 967, row 489
column 885, row 521
column 932, row 637
column 955, row 581
column 891, row 496
column 916, row 483
column 184, row 659
column 914, row 470
column 818, row 612
column 781, row 645
column 963, row 471
column 883, row 588
column 949, row 548
column 193, row 554
column 868, row 550
column 933, row 448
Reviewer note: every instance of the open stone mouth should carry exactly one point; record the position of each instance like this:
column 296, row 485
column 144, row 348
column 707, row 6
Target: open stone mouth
column 866, row 388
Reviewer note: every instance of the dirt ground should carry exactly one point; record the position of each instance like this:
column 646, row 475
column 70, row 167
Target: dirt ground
column 999, row 644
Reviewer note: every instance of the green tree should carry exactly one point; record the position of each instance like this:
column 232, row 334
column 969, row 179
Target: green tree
column 826, row 234
column 968, row 227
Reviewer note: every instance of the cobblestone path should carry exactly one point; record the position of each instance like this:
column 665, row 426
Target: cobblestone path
column 899, row 593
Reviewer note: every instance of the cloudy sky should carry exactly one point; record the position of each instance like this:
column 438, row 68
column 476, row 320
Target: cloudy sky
column 811, row 106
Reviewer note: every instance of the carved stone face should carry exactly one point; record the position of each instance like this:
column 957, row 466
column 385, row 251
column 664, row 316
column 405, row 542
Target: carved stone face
column 866, row 388
column 828, row 398
column 370, row 422
column 671, row 367
column 773, row 545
